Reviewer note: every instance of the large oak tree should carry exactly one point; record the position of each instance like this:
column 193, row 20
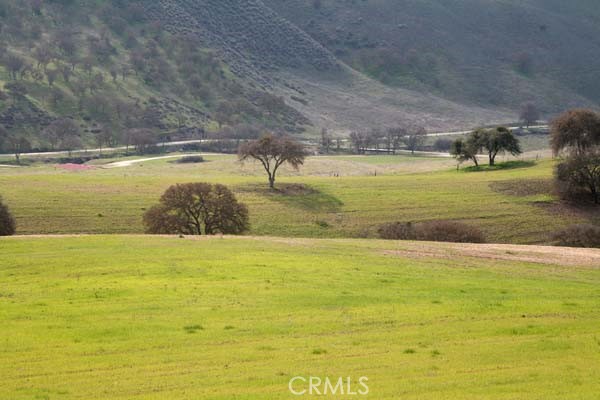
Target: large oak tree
column 197, row 209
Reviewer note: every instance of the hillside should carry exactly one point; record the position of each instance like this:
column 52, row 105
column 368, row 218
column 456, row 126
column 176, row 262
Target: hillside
column 491, row 53
column 180, row 68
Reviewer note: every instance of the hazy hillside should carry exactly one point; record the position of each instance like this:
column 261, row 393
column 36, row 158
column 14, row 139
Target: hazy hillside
column 490, row 53
column 180, row 67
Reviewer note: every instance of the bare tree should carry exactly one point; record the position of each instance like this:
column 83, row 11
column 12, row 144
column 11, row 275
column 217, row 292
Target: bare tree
column 529, row 114
column 360, row 141
column 272, row 152
column 18, row 145
column 325, row 140
column 58, row 130
column 71, row 143
column 415, row 138
column 142, row 139
column 393, row 137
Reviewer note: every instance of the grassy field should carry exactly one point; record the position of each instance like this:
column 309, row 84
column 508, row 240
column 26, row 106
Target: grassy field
column 368, row 192
column 132, row 317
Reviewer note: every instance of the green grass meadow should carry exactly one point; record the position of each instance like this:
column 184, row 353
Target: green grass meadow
column 368, row 192
column 134, row 317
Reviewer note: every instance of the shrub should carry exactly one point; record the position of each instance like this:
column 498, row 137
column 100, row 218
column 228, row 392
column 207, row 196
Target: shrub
column 434, row 231
column 578, row 177
column 7, row 222
column 582, row 235
column 449, row 231
column 397, row 231
column 190, row 160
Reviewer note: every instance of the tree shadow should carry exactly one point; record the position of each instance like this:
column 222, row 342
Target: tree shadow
column 501, row 166
column 299, row 196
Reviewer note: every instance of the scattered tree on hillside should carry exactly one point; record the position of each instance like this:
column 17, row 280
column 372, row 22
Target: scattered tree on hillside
column 15, row 65
column 197, row 209
column 272, row 152
column 17, row 145
column 71, row 143
column 529, row 114
column 576, row 134
column 524, row 63
column 58, row 130
column 7, row 222
column 142, row 139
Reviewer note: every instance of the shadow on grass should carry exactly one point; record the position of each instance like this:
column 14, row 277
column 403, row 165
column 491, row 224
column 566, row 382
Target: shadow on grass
column 299, row 196
column 500, row 166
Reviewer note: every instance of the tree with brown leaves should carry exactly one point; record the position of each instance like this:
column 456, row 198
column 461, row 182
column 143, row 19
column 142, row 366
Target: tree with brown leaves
column 197, row 209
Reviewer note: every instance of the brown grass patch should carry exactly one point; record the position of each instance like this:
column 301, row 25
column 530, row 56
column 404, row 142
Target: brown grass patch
column 561, row 256
column 523, row 187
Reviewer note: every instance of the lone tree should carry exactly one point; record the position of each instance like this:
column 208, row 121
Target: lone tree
column 7, row 222
column 499, row 140
column 272, row 152
column 197, row 209
column 576, row 136
column 529, row 114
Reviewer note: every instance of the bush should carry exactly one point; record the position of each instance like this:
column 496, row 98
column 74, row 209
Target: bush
column 397, row 231
column 449, row 231
column 434, row 231
column 7, row 222
column 578, row 177
column 190, row 160
column 582, row 235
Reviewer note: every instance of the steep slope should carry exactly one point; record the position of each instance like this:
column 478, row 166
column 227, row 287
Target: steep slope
column 492, row 53
column 259, row 44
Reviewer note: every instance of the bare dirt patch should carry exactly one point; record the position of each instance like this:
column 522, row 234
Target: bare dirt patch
column 75, row 167
column 523, row 187
column 563, row 256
